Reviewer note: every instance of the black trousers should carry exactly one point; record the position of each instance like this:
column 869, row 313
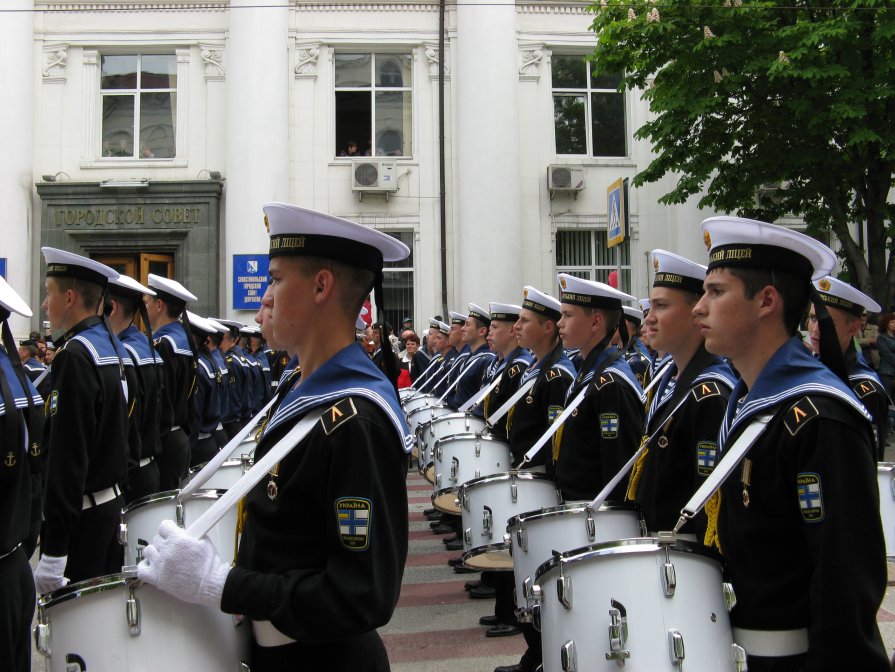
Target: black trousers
column 141, row 482
column 16, row 610
column 174, row 460
column 364, row 653
column 205, row 449
column 93, row 547
column 504, row 600
column 220, row 435
column 232, row 428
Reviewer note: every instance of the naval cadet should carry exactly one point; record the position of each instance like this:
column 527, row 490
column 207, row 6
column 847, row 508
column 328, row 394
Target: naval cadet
column 437, row 340
column 126, row 302
column 87, row 427
column 689, row 402
column 28, row 352
column 21, row 476
column 636, row 354
column 799, row 521
column 473, row 335
column 239, row 384
column 325, row 540
column 203, row 443
column 846, row 306
column 175, row 344
column 217, row 357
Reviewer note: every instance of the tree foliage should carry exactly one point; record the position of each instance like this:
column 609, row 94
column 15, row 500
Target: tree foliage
column 744, row 93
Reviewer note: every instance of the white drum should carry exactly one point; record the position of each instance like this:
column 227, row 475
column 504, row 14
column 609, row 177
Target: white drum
column 414, row 402
column 885, row 476
column 227, row 474
column 448, row 425
column 487, row 503
column 406, row 393
column 464, row 457
column 244, row 447
column 117, row 623
column 535, row 537
column 421, row 416
column 636, row 603
column 141, row 518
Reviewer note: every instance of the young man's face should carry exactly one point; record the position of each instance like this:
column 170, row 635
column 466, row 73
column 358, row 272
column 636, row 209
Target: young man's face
column 577, row 325
column 290, row 301
column 469, row 332
column 55, row 304
column 501, row 337
column 847, row 325
column 438, row 341
column 726, row 318
column 670, row 323
column 456, row 336
column 532, row 329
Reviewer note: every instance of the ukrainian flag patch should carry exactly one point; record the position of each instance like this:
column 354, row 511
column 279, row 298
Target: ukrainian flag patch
column 354, row 515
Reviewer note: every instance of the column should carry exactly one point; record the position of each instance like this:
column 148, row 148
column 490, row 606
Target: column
column 257, row 126
column 487, row 226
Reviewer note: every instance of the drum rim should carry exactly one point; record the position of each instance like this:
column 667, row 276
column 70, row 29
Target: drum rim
column 621, row 547
column 500, row 546
column 505, row 475
column 477, row 436
column 165, row 495
column 86, row 587
column 570, row 508
column 426, row 408
column 229, row 462
column 458, row 415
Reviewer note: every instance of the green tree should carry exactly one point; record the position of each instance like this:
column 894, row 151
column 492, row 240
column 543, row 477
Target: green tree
column 746, row 93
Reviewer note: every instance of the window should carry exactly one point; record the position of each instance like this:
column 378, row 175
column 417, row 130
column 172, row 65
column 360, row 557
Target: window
column 583, row 253
column 139, row 105
column 588, row 111
column 373, row 105
column 397, row 284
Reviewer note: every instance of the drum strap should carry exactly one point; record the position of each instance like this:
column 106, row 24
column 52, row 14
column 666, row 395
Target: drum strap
column 260, row 469
column 502, row 411
column 215, row 462
column 724, row 468
column 474, row 400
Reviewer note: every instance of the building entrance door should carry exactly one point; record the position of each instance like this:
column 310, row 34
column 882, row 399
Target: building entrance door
column 139, row 265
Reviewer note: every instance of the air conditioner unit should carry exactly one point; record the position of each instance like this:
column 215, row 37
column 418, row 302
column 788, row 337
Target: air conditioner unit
column 374, row 175
column 565, row 178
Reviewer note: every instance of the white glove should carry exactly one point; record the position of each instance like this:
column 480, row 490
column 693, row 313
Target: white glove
column 48, row 573
column 187, row 568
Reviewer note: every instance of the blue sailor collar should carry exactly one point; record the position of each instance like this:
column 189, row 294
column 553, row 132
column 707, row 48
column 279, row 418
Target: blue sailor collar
column 349, row 373
column 859, row 370
column 19, row 395
column 175, row 334
column 792, row 372
column 218, row 358
column 207, row 365
column 290, row 367
column 134, row 341
column 620, row 367
column 34, row 364
column 562, row 364
column 719, row 371
column 103, row 349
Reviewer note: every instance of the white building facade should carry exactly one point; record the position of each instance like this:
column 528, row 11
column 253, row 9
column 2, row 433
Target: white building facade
column 149, row 134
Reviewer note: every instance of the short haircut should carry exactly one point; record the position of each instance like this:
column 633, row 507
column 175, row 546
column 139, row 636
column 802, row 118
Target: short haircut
column 352, row 284
column 794, row 290
column 129, row 303
column 91, row 293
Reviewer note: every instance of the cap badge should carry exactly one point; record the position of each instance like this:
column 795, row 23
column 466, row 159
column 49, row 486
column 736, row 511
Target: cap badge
column 824, row 285
column 525, row 293
column 707, row 239
column 266, row 224
column 656, row 264
column 562, row 283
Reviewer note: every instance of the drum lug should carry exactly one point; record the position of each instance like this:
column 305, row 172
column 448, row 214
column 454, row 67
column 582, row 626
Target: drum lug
column 178, row 514
column 478, row 448
column 42, row 633
column 669, row 579
column 536, row 616
column 439, row 451
column 478, row 472
column 738, row 653
column 455, row 468
column 487, row 517
column 467, row 537
column 590, row 525
column 514, row 491
column 527, row 588
column 618, row 633
column 464, row 500
column 559, row 499
column 676, row 647
column 730, row 598
column 564, row 591
column 437, row 481
column 132, row 610
column 522, row 539
column 568, row 657
column 122, row 534
column 246, row 460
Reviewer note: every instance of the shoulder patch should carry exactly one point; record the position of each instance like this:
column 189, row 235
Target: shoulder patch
column 811, row 499
column 863, row 388
column 53, row 403
column 705, row 390
column 337, row 415
column 799, row 415
column 514, row 371
column 553, row 373
column 605, row 379
column 609, row 425
column 354, row 515
column 706, row 455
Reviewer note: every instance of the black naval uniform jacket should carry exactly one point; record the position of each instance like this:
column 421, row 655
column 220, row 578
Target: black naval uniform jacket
column 511, row 369
column 867, row 387
column 298, row 565
column 87, row 450
column 530, row 417
column 602, row 433
column 684, row 428
column 799, row 524
column 177, row 407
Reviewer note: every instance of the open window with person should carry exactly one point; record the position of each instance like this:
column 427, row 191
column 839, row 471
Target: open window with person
column 373, row 104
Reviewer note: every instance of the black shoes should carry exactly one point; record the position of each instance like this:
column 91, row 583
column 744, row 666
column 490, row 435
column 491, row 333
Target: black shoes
column 455, row 544
column 482, row 592
column 509, row 668
column 465, row 570
column 455, row 562
column 441, row 528
column 489, row 620
column 502, row 630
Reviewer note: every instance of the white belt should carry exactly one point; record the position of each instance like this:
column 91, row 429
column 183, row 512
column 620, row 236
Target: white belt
column 145, row 461
column 204, row 435
column 772, row 643
column 100, row 497
column 11, row 551
column 267, row 635
column 219, row 427
column 174, row 428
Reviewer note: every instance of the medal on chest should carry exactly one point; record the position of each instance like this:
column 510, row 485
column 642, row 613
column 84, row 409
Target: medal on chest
column 272, row 489
column 746, row 479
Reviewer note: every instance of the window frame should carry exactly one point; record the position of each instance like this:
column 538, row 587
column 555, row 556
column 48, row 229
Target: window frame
column 372, row 90
column 587, row 93
column 594, row 270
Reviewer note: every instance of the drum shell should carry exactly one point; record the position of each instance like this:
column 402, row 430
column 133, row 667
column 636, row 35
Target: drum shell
column 633, row 573
column 227, row 474
column 144, row 516
column 476, row 456
column 496, row 493
column 411, row 404
column 448, row 425
column 419, row 417
column 885, row 476
column 89, row 620
column 535, row 536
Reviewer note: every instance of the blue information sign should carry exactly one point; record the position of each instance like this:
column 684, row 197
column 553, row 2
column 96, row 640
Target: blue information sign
column 249, row 280
column 3, row 267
